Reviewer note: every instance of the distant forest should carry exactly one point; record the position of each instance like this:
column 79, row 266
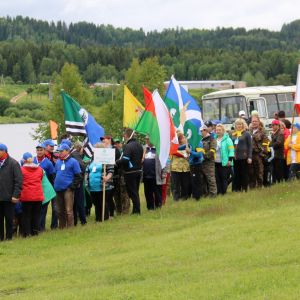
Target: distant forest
column 33, row 50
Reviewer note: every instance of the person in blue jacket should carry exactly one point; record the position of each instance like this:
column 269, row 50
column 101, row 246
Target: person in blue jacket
column 67, row 179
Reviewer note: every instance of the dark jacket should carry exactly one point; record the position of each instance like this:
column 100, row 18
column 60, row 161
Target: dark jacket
column 75, row 154
column 242, row 145
column 131, row 160
column 278, row 144
column 11, row 179
column 209, row 147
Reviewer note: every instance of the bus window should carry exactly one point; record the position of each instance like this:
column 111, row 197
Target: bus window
column 286, row 103
column 258, row 104
column 230, row 108
column 211, row 109
column 272, row 105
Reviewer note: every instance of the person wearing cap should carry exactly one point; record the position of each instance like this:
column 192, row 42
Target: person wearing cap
column 277, row 143
column 242, row 155
column 79, row 208
column 122, row 201
column 31, row 196
column 292, row 145
column 41, row 160
column 260, row 143
column 131, row 162
column 242, row 115
column 210, row 128
column 208, row 165
column 49, row 151
column 10, row 189
column 67, row 179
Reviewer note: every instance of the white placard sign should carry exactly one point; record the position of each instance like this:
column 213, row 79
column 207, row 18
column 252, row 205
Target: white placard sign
column 104, row 156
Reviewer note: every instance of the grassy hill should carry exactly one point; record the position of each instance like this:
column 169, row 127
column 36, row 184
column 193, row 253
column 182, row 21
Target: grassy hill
column 241, row 246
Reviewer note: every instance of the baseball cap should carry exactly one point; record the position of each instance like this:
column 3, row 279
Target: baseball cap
column 49, row 142
column 242, row 113
column 275, row 122
column 40, row 145
column 208, row 124
column 117, row 140
column 67, row 142
column 27, row 155
column 62, row 147
column 3, row 147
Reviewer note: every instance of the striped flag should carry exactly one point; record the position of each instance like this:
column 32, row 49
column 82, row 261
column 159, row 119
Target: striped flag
column 81, row 123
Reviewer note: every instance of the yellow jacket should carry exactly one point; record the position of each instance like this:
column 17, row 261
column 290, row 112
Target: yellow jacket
column 179, row 164
column 295, row 147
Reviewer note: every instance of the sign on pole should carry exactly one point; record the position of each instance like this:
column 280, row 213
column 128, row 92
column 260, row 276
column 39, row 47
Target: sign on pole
column 104, row 156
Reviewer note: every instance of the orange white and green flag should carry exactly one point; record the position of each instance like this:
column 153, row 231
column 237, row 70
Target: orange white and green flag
column 133, row 109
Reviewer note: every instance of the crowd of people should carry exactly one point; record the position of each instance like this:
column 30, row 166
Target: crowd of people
column 245, row 157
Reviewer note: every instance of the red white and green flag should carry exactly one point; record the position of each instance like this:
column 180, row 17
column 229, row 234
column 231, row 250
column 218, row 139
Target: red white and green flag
column 297, row 96
column 157, row 123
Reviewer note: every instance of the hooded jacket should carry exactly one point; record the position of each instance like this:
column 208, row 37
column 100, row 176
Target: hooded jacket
column 32, row 183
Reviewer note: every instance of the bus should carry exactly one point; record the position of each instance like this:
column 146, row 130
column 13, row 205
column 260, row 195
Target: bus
column 267, row 100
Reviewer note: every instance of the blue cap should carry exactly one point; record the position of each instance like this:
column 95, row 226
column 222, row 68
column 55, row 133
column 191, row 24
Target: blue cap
column 40, row 145
column 67, row 142
column 49, row 142
column 27, row 155
column 297, row 125
column 3, row 147
column 62, row 147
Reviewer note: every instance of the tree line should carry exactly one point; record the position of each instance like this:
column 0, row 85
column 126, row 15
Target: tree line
column 34, row 51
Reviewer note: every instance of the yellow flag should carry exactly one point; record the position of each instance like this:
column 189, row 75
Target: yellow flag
column 133, row 109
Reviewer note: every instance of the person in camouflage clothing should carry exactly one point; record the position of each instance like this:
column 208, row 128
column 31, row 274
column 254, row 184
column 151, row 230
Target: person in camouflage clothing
column 260, row 144
column 208, row 165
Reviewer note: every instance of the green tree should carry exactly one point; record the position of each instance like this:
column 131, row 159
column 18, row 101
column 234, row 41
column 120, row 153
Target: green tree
column 16, row 73
column 28, row 73
column 71, row 82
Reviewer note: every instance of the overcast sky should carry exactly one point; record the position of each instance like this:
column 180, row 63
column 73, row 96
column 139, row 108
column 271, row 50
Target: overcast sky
column 159, row 14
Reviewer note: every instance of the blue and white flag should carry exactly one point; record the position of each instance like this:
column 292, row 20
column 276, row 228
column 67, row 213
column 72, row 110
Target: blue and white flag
column 185, row 112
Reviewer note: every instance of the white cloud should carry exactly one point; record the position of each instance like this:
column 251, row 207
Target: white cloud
column 159, row 14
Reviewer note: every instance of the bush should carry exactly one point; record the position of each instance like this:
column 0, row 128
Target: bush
column 4, row 104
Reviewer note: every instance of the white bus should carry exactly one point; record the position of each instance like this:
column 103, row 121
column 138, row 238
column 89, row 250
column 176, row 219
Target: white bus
column 267, row 100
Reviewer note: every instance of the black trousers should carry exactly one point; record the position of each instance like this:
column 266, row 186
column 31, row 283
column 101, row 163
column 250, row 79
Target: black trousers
column 222, row 177
column 31, row 217
column 97, row 199
column 132, row 181
column 241, row 175
column 7, row 218
column 180, row 184
column 294, row 171
column 197, row 181
column 78, row 208
column 153, row 193
column 278, row 169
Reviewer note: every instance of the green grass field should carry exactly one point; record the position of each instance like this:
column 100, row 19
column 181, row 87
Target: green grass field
column 241, row 246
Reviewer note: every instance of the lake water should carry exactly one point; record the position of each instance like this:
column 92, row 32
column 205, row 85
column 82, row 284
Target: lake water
column 17, row 138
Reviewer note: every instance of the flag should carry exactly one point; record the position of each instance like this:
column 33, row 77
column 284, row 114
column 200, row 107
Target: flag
column 185, row 112
column 53, row 129
column 157, row 123
column 79, row 122
column 297, row 95
column 133, row 109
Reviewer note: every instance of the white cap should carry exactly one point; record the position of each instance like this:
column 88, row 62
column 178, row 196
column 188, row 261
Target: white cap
column 242, row 113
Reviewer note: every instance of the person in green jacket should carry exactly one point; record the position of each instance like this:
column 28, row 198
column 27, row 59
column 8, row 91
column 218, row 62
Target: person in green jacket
column 224, row 158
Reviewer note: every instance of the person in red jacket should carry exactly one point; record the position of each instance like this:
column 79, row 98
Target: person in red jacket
column 32, row 195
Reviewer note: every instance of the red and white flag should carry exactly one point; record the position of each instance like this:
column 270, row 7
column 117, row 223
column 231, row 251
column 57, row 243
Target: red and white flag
column 297, row 95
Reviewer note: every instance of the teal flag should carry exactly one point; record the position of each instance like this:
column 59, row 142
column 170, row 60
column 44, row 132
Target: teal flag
column 48, row 190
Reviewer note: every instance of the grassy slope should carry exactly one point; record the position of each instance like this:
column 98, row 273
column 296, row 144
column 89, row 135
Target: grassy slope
column 241, row 246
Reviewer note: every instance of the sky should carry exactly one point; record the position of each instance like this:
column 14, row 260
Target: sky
column 160, row 14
